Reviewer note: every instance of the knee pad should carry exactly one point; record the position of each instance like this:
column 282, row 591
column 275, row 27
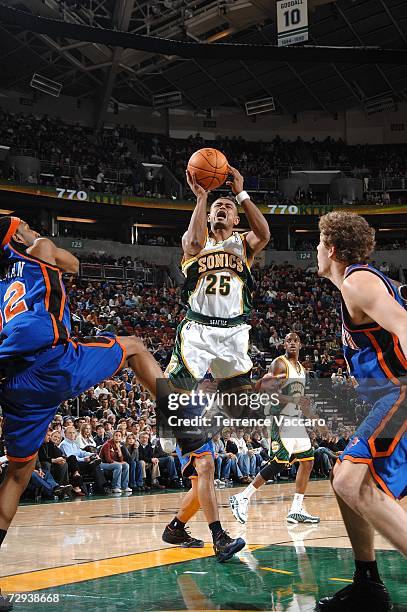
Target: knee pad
column 271, row 469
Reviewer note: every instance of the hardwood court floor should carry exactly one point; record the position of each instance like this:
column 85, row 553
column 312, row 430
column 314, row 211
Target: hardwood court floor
column 107, row 554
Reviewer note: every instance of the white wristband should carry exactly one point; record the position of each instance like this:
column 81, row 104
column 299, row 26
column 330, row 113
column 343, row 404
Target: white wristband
column 243, row 195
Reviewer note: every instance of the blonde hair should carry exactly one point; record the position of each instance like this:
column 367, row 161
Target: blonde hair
column 83, row 428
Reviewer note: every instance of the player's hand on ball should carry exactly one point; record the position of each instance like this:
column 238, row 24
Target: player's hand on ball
column 194, row 185
column 236, row 184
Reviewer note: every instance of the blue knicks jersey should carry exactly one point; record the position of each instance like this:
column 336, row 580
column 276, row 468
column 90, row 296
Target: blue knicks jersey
column 34, row 314
column 374, row 355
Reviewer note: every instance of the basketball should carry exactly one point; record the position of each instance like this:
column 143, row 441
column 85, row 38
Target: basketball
column 210, row 167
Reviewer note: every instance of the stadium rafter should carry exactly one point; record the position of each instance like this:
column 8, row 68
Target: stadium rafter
column 295, row 81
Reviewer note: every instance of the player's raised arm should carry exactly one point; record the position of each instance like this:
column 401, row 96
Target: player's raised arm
column 259, row 234
column 45, row 249
column 193, row 241
column 365, row 293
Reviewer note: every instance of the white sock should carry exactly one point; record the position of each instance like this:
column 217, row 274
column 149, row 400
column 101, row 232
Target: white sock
column 297, row 502
column 249, row 490
column 300, row 548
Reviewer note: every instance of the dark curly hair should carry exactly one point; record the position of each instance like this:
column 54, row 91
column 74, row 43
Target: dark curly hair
column 225, row 197
column 350, row 234
column 8, row 225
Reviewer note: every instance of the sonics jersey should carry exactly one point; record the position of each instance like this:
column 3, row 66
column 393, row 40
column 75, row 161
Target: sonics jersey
column 34, row 314
column 294, row 385
column 218, row 280
column 290, row 441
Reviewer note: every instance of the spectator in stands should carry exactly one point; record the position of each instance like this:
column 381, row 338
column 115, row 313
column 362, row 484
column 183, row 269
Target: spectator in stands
column 338, row 378
column 253, row 452
column 52, row 460
column 101, row 388
column 245, row 457
column 385, row 268
column 108, row 429
column 130, row 453
column 94, row 422
column 100, row 181
column 101, row 436
column 43, row 482
column 324, row 457
column 58, row 427
column 222, row 461
column 85, row 440
column 79, row 157
column 113, row 461
column 89, row 404
column 75, row 478
column 166, row 463
column 86, row 463
column 258, row 446
column 274, row 340
column 150, row 464
column 343, row 441
column 232, row 453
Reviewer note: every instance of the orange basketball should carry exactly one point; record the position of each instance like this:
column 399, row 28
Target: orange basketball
column 210, row 167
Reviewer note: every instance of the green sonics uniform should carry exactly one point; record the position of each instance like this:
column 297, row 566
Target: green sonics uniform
column 214, row 335
column 289, row 440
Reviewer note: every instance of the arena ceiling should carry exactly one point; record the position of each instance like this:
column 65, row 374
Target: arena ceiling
column 131, row 77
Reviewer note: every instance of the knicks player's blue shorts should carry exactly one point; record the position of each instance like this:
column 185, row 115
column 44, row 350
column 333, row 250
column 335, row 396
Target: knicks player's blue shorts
column 187, row 460
column 31, row 398
column 381, row 442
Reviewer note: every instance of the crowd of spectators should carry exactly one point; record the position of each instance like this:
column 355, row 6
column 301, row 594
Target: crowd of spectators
column 105, row 441
column 125, row 261
column 111, row 451
column 391, row 244
column 285, row 298
column 288, row 298
column 76, row 156
column 382, row 244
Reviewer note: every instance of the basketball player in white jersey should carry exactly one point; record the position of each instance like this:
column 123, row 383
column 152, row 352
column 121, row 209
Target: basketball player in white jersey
column 289, row 443
column 216, row 264
column 214, row 335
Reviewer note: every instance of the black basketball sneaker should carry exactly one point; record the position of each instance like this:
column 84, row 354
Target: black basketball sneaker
column 5, row 603
column 182, row 537
column 225, row 547
column 356, row 597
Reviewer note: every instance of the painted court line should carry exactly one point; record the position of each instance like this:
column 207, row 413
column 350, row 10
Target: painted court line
column 70, row 574
column 277, row 571
column 53, row 577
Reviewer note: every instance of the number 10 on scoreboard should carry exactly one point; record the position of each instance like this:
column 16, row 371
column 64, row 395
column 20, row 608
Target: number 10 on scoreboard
column 292, row 22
